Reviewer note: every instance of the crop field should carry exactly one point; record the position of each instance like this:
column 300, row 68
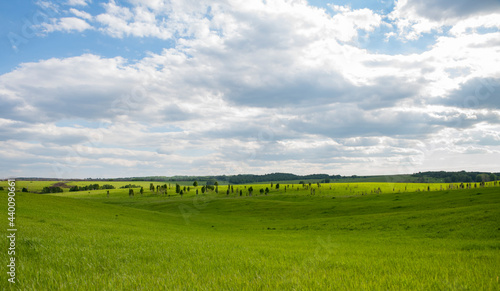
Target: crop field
column 337, row 236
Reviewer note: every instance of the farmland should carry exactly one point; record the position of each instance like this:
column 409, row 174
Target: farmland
column 338, row 236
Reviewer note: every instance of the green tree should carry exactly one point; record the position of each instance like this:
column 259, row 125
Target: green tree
column 130, row 192
column 277, row 185
column 151, row 187
column 250, row 190
column 266, row 191
column 195, row 184
column 141, row 191
column 261, row 191
column 177, row 188
column 203, row 190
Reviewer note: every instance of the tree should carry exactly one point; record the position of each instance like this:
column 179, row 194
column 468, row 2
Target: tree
column 195, row 184
column 141, row 191
column 261, row 191
column 203, row 190
column 151, row 187
column 211, row 182
column 177, row 188
column 130, row 192
column 182, row 193
column 493, row 177
column 277, row 185
column 241, row 192
column 266, row 191
column 52, row 190
column 250, row 190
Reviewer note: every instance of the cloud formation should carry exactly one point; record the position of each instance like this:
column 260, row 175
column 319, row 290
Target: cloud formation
column 257, row 87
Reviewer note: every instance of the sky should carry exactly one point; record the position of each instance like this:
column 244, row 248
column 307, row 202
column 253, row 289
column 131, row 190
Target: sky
column 102, row 89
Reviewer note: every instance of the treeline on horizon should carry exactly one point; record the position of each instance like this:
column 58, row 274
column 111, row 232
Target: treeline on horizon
column 420, row 177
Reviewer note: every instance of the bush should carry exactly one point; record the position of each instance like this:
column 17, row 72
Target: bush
column 52, row 190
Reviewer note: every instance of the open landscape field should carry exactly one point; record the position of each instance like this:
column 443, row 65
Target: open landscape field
column 363, row 236
column 250, row 145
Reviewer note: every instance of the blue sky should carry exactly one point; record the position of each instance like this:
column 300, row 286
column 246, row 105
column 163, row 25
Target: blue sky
column 152, row 87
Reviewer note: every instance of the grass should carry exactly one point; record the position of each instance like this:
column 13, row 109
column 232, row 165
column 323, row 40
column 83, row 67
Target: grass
column 346, row 238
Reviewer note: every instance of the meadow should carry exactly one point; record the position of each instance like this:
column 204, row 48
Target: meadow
column 339, row 236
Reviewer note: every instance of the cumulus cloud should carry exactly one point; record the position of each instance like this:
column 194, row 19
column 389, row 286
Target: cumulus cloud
column 257, row 87
column 81, row 14
column 78, row 2
column 65, row 24
column 414, row 18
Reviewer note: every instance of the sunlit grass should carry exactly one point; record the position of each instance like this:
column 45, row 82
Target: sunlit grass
column 437, row 240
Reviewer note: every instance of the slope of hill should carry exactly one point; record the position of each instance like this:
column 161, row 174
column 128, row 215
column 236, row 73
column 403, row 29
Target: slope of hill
column 420, row 241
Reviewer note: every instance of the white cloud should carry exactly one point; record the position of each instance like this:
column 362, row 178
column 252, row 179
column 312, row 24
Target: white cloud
column 81, row 14
column 471, row 25
column 414, row 17
column 65, row 24
column 347, row 22
column 138, row 22
column 254, row 87
column 78, row 2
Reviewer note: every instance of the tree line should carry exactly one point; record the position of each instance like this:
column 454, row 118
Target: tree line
column 90, row 187
column 460, row 177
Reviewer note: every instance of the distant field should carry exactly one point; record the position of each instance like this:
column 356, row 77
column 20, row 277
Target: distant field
column 338, row 189
column 349, row 236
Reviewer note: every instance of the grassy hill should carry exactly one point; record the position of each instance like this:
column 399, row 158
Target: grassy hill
column 343, row 238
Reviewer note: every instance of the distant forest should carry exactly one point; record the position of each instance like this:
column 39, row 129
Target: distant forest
column 422, row 177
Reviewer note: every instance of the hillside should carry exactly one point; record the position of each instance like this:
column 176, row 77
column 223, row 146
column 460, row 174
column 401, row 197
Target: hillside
column 414, row 240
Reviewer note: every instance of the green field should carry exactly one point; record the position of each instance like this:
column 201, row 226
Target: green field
column 343, row 237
